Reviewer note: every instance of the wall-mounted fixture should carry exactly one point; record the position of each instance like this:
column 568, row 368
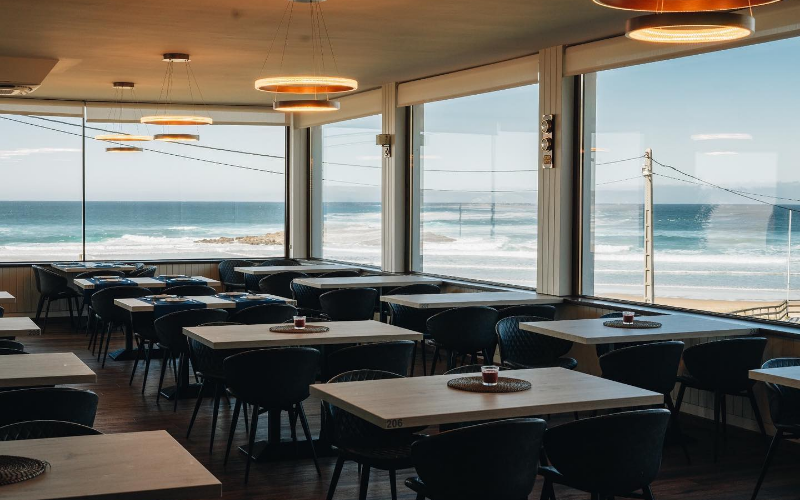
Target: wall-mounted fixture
column 385, row 141
column 548, row 141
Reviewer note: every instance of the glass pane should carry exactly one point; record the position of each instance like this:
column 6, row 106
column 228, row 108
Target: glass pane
column 476, row 164
column 351, row 191
column 725, row 181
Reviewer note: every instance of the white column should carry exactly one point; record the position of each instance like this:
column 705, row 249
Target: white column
column 393, row 184
column 297, row 202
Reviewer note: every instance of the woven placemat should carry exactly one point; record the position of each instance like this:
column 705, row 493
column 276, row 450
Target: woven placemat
column 292, row 329
column 637, row 324
column 475, row 384
column 18, row 469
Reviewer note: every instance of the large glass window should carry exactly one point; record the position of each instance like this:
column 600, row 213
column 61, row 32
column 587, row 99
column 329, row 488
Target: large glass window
column 726, row 185
column 351, row 191
column 475, row 186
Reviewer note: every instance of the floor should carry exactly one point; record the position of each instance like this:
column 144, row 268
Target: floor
column 123, row 409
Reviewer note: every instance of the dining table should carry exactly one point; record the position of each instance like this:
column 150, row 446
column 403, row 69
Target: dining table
column 31, row 370
column 18, row 325
column 788, row 376
column 306, row 268
column 91, row 284
column 81, row 267
column 450, row 300
column 7, row 298
column 376, row 281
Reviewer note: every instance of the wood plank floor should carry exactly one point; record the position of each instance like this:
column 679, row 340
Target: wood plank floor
column 123, row 408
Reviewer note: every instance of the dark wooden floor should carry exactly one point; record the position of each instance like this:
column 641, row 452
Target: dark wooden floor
column 124, row 409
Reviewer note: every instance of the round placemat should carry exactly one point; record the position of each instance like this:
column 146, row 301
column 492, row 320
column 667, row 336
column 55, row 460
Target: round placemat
column 618, row 323
column 475, row 384
column 292, row 329
column 18, row 469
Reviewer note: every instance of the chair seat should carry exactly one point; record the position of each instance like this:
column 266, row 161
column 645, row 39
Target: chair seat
column 568, row 363
column 695, row 383
column 385, row 456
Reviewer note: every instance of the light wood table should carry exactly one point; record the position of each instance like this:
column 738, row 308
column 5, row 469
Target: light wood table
column 788, row 376
column 308, row 269
column 379, row 281
column 421, row 401
column 7, row 298
column 18, row 325
column 90, row 266
column 674, row 327
column 448, row 300
column 28, row 370
column 85, row 284
column 112, row 467
column 211, row 302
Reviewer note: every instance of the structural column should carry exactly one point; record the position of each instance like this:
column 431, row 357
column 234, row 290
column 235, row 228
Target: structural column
column 394, row 219
column 297, row 203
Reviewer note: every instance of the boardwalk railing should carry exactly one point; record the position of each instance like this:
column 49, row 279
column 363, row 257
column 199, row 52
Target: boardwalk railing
column 783, row 311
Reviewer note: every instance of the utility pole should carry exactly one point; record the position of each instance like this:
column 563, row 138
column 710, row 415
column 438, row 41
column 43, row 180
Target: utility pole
column 647, row 172
column 789, row 260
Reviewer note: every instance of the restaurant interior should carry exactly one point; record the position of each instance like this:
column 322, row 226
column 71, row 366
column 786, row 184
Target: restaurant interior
column 305, row 249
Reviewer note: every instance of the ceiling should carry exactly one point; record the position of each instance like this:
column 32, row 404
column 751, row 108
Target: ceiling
column 98, row 42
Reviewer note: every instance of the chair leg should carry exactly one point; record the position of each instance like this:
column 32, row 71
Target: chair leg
column 393, row 483
column 647, row 493
column 46, row 315
column 147, row 358
column 422, row 347
column 547, row 491
column 433, row 361
column 246, row 420
column 413, row 358
column 234, row 420
column 677, row 427
column 772, row 447
column 108, row 341
column 181, row 360
column 293, row 423
column 164, row 363
column 139, row 351
column 337, row 471
column 217, row 395
column 71, row 315
column 39, row 307
column 362, row 489
column 679, row 401
column 307, row 431
column 251, row 442
column 196, row 409
column 752, row 397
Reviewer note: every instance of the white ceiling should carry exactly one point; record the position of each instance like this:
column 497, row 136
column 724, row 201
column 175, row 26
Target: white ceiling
column 100, row 41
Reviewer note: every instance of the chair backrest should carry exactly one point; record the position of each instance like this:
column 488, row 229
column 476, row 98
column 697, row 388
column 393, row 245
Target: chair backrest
column 280, row 261
column 4, row 351
column 497, row 460
column 613, row 315
column 98, row 272
column 11, row 344
column 103, row 302
column 519, row 347
column 137, row 266
column 612, row 454
column 208, row 361
column 725, row 364
column 272, row 378
column 464, row 329
column 784, row 402
column 251, row 281
column 343, row 273
column 415, row 289
column 307, row 297
column 264, row 314
column 48, row 403
column 393, row 357
column 468, row 369
column 190, row 290
column 649, row 366
column 349, row 304
column 541, row 311
column 169, row 327
column 410, row 318
column 280, row 283
column 41, row 429
column 48, row 281
column 228, row 276
column 144, row 272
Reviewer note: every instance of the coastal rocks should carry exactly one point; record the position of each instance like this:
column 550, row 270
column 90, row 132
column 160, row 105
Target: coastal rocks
column 271, row 239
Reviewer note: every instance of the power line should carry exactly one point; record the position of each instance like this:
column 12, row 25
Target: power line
column 430, row 169
column 619, row 180
column 619, row 161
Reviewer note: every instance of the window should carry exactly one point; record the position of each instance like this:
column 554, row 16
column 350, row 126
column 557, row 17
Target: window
column 475, row 186
column 351, row 191
column 725, row 181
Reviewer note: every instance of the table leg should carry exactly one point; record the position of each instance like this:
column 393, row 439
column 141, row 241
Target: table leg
column 184, row 389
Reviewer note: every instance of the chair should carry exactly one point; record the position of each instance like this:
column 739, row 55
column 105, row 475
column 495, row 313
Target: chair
column 41, row 429
column 272, row 379
column 11, row 344
column 87, row 294
column 609, row 456
column 652, row 367
column 367, row 444
column 4, row 351
column 344, row 273
column 307, row 298
column 52, row 287
column 723, row 367
column 172, row 341
column 464, row 330
column 280, row 283
column 349, row 304
column 784, row 407
column 190, row 291
column 48, row 403
column 465, row 369
column 392, row 357
column 251, row 281
column 414, row 319
column 542, row 311
column 523, row 349
column 232, row 280
column 601, row 349
column 108, row 315
column 264, row 314
column 2, row 311
column 137, row 266
column 145, row 272
column 451, row 467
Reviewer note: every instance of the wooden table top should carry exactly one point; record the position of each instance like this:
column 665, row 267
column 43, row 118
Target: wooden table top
column 259, row 336
column 112, row 467
column 18, row 325
column 7, row 298
column 85, row 284
column 27, row 370
column 788, row 376
column 308, row 269
column 448, row 300
column 211, row 302
column 419, row 401
column 367, row 281
column 674, row 327
column 91, row 266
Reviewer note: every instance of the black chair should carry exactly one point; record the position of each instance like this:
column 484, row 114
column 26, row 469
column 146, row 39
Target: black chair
column 465, row 369
column 264, row 314
column 4, row 351
column 542, row 311
column 251, row 281
column 41, row 429
column 144, row 333
column 190, row 291
column 349, row 304
column 109, row 316
column 86, row 303
column 53, row 287
column 144, row 272
column 496, row 460
column 722, row 367
column 48, row 403
column 523, row 349
column 367, row 444
column 609, row 456
column 137, row 266
column 393, row 357
column 11, row 344
column 2, row 311
column 280, row 283
column 307, row 298
column 412, row 318
column 344, row 273
column 465, row 331
column 232, row 280
column 173, row 343
column 652, row 367
column 784, row 407
column 601, row 349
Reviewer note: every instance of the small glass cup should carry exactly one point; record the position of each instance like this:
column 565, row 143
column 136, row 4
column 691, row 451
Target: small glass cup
column 627, row 317
column 299, row 322
column 490, row 374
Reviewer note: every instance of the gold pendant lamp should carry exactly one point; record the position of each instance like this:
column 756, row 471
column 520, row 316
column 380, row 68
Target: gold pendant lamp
column 116, row 118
